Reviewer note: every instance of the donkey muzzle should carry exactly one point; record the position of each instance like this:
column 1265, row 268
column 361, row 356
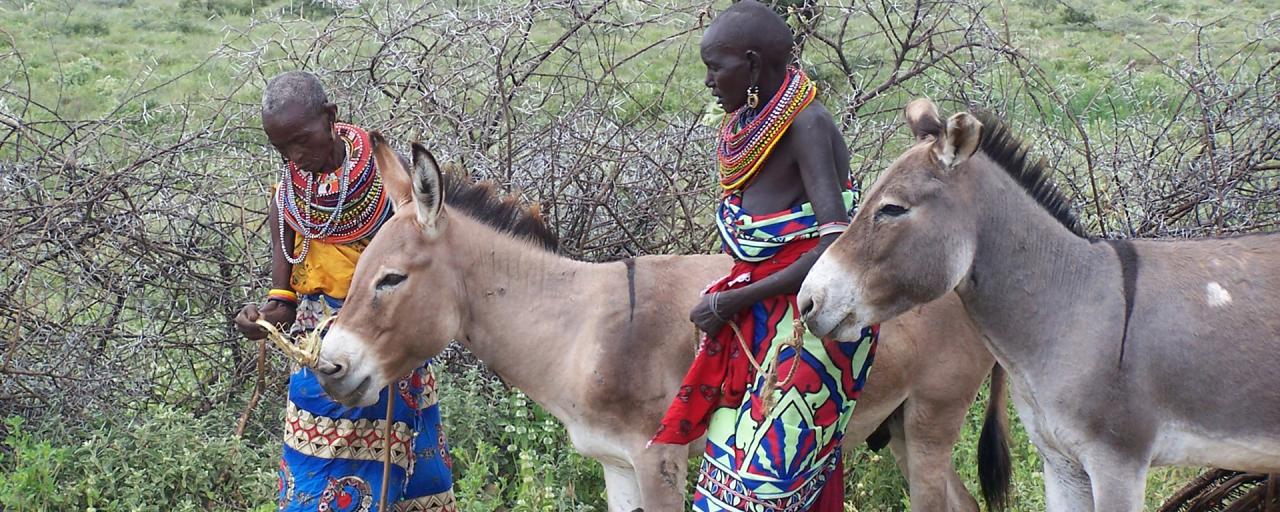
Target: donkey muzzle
column 346, row 376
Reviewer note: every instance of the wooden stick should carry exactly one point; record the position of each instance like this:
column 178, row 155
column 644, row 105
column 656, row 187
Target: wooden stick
column 386, row 439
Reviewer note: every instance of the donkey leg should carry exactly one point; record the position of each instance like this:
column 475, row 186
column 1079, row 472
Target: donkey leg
column 1066, row 485
column 1117, row 485
column 931, row 431
column 898, row 444
column 620, row 487
column 661, row 471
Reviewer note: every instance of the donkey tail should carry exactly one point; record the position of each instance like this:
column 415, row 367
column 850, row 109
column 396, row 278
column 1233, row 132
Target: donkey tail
column 994, row 470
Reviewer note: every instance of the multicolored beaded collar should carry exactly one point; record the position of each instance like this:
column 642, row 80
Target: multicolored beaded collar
column 747, row 135
column 336, row 207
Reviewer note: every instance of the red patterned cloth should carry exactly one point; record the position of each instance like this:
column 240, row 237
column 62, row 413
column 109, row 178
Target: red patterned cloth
column 720, row 371
column 773, row 444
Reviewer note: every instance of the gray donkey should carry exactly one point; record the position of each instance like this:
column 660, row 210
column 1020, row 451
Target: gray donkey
column 1122, row 354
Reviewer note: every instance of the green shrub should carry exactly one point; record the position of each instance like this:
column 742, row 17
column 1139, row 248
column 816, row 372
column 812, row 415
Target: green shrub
column 81, row 71
column 1076, row 16
column 313, row 9
column 222, row 7
column 87, row 26
column 166, row 460
column 510, row 454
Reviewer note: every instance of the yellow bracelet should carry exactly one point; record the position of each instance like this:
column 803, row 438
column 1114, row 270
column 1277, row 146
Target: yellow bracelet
column 283, row 294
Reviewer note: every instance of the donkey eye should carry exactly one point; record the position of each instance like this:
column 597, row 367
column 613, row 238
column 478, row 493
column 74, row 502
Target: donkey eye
column 390, row 280
column 891, row 210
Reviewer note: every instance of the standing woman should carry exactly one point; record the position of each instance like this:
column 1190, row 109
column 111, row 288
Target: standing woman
column 772, row 399
column 329, row 203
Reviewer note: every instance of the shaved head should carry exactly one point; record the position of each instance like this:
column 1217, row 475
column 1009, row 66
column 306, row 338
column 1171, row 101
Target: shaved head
column 299, row 121
column 749, row 25
column 747, row 47
column 294, row 89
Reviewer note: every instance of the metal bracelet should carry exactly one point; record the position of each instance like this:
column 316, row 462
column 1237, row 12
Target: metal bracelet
column 832, row 228
column 715, row 299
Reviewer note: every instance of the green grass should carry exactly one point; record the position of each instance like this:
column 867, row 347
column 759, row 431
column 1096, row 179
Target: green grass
column 508, row 454
column 1086, row 45
column 85, row 59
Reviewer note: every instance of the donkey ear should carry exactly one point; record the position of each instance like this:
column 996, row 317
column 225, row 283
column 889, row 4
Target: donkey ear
column 392, row 169
column 428, row 190
column 960, row 140
column 922, row 117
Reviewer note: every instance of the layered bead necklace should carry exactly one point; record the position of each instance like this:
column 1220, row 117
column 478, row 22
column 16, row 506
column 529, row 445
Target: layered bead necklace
column 748, row 136
column 336, row 207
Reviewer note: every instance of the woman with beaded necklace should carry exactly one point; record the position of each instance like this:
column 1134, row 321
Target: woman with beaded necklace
column 772, row 399
column 329, row 202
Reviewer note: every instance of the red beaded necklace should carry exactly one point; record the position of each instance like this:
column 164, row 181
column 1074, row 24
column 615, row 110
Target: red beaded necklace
column 747, row 136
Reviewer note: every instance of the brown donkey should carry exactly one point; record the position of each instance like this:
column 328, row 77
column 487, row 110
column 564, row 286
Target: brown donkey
column 603, row 347
column 1122, row 354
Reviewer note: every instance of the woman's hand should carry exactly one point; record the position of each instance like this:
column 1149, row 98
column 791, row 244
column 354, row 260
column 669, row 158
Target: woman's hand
column 710, row 320
column 278, row 313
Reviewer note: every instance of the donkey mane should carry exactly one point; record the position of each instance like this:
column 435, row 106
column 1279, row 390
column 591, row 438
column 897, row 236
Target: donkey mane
column 481, row 201
column 1004, row 148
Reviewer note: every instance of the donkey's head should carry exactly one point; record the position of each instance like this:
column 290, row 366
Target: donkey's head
column 912, row 241
column 403, row 305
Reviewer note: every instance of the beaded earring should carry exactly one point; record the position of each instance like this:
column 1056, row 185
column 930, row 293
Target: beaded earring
column 753, row 96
